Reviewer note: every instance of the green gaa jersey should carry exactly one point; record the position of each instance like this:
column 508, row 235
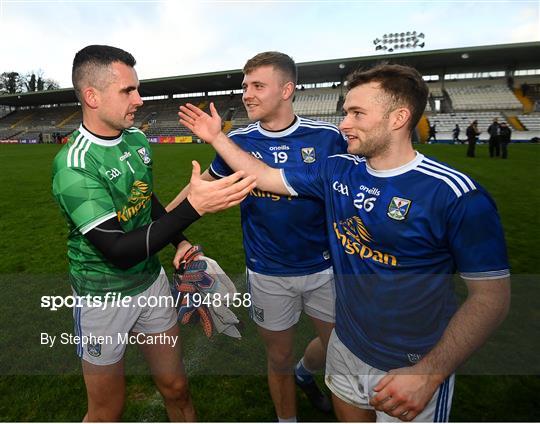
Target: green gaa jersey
column 93, row 181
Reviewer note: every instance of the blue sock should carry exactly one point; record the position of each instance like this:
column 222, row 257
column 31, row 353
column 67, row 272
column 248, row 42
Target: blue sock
column 303, row 375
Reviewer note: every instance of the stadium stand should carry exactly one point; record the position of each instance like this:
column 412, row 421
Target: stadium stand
column 436, row 91
column 16, row 118
column 162, row 115
column 483, row 97
column 4, row 111
column 530, row 122
column 455, row 98
column 29, row 124
column 156, row 117
column 316, row 102
column 159, row 117
column 447, row 121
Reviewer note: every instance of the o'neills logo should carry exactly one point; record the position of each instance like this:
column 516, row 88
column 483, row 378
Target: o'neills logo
column 138, row 199
column 354, row 237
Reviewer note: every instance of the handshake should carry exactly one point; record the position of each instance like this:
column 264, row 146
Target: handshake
column 204, row 293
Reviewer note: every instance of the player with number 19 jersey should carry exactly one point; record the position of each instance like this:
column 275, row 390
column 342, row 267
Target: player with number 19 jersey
column 396, row 238
column 285, row 235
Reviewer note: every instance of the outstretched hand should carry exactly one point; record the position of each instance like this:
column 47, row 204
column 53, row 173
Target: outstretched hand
column 205, row 126
column 213, row 196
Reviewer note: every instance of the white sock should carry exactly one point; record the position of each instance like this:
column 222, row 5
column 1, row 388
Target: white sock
column 287, row 420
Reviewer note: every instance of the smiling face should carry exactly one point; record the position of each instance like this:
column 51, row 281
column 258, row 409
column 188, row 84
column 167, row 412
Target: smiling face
column 117, row 102
column 367, row 121
column 266, row 93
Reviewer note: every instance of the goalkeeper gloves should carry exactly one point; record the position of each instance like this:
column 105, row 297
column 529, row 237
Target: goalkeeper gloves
column 205, row 292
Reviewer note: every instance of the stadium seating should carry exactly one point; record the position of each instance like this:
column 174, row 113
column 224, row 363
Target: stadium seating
column 436, row 91
column 447, row 121
column 162, row 115
column 530, row 122
column 4, row 111
column 483, row 97
column 316, row 102
column 29, row 123
column 15, row 118
column 159, row 117
column 8, row 133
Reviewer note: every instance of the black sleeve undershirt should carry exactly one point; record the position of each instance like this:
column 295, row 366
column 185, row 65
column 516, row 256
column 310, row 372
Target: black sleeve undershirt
column 157, row 212
column 125, row 250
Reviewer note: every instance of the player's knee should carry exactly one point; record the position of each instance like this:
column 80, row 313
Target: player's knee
column 175, row 390
column 281, row 360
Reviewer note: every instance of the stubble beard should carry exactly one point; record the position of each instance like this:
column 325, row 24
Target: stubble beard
column 376, row 144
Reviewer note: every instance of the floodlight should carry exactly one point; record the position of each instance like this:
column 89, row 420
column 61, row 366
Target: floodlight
column 398, row 40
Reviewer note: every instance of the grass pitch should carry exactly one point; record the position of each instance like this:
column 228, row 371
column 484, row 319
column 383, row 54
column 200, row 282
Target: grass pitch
column 227, row 377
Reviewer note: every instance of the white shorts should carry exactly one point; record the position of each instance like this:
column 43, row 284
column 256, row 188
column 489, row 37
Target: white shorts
column 276, row 302
column 102, row 330
column 352, row 380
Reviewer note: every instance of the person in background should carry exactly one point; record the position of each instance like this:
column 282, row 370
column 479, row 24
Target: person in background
column 472, row 136
column 432, row 133
column 494, row 131
column 455, row 134
column 506, row 138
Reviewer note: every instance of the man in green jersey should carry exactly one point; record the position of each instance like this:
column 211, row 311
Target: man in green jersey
column 102, row 180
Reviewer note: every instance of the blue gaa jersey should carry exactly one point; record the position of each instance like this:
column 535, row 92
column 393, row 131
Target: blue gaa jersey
column 396, row 239
column 285, row 235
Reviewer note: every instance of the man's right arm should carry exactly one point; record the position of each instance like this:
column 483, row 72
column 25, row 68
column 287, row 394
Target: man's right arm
column 125, row 249
column 208, row 128
column 205, row 176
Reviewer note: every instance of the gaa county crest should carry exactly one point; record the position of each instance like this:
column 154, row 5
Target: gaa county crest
column 308, row 154
column 94, row 349
column 143, row 153
column 398, row 208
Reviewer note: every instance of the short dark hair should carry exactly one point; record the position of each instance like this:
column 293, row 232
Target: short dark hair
column 278, row 60
column 88, row 61
column 403, row 84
